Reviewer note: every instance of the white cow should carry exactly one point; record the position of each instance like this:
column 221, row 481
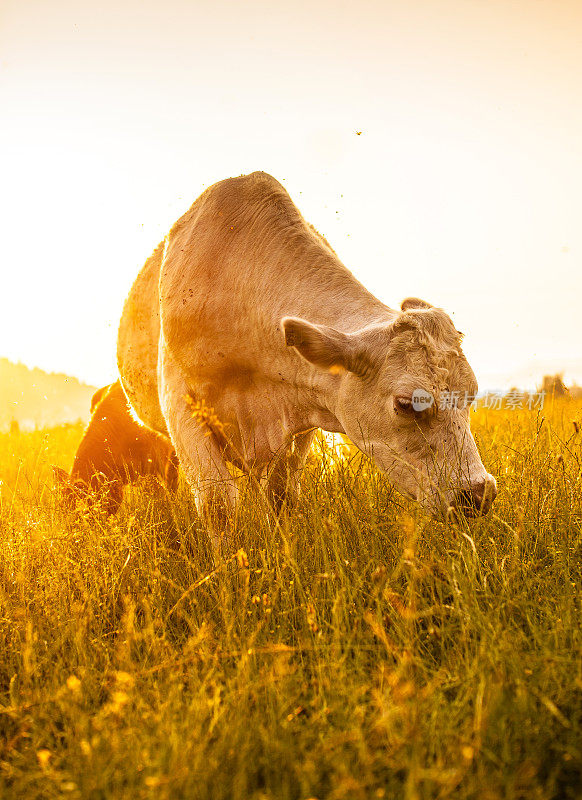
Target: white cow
column 244, row 333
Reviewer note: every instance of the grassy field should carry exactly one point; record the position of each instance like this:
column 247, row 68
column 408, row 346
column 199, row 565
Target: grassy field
column 357, row 650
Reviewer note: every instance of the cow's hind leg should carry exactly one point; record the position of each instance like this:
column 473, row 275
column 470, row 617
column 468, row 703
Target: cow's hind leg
column 199, row 453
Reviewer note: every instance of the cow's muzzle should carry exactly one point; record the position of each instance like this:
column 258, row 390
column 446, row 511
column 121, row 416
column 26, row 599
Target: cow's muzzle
column 477, row 499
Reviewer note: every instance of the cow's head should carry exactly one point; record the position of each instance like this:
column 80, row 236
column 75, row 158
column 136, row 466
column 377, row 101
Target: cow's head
column 100, row 492
column 401, row 392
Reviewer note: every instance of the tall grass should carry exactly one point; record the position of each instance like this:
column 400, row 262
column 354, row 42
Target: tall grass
column 355, row 650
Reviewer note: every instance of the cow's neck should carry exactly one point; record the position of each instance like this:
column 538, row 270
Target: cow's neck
column 329, row 295
column 317, row 389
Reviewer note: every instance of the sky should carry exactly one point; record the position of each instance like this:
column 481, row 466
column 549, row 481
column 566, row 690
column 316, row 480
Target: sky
column 436, row 144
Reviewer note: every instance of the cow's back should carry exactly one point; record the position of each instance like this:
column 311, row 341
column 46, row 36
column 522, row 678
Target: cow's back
column 137, row 344
column 240, row 259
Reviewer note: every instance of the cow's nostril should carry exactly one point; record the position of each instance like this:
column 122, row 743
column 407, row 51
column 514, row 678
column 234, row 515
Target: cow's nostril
column 489, row 490
column 484, row 493
column 478, row 499
column 478, row 491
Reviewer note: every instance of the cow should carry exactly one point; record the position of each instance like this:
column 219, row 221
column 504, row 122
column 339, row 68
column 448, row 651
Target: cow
column 114, row 451
column 244, row 333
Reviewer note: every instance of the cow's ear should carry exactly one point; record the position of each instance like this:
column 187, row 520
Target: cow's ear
column 414, row 302
column 324, row 347
column 98, row 397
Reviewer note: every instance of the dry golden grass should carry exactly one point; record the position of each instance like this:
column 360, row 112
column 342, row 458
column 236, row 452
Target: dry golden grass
column 357, row 650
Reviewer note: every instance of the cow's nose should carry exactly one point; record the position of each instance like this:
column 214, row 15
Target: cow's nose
column 478, row 499
column 484, row 493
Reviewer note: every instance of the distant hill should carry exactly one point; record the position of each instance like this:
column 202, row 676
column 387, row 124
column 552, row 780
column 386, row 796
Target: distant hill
column 37, row 399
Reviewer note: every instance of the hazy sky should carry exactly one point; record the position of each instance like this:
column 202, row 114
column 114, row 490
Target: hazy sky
column 464, row 187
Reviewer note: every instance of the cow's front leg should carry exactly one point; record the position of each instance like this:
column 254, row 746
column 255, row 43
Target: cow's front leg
column 285, row 472
column 199, row 452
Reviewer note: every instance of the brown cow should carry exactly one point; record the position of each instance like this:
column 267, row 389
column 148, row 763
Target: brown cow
column 114, row 451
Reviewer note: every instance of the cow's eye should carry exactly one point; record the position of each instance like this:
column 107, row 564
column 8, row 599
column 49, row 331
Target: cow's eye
column 403, row 405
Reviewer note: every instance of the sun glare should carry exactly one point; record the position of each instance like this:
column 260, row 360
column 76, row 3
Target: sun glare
column 458, row 185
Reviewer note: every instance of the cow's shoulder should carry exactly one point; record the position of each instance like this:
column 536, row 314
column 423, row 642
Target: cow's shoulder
column 249, row 193
column 253, row 186
column 236, row 201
